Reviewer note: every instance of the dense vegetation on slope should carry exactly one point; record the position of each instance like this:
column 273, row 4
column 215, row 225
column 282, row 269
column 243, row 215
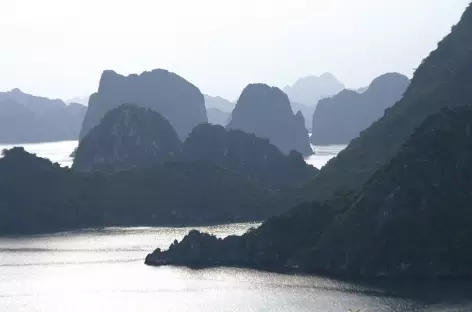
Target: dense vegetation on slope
column 442, row 80
column 412, row 218
column 127, row 137
column 172, row 96
column 255, row 158
column 339, row 119
column 266, row 112
column 38, row 196
column 25, row 118
column 414, row 214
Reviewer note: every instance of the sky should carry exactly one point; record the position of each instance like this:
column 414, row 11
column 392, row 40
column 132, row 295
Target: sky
column 59, row 48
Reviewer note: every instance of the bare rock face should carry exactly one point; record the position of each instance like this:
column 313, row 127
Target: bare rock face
column 167, row 93
column 266, row 112
column 127, row 137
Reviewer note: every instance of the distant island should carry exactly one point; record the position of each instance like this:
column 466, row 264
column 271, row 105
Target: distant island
column 25, row 118
column 305, row 93
column 172, row 96
column 309, row 90
column 266, row 112
column 339, row 119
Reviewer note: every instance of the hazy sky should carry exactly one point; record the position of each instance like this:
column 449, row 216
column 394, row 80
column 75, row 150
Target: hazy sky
column 58, row 48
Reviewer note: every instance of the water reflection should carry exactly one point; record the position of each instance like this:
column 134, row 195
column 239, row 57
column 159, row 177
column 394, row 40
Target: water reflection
column 103, row 270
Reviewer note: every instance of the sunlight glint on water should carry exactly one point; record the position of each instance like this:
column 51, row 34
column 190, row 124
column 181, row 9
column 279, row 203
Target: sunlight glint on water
column 103, row 270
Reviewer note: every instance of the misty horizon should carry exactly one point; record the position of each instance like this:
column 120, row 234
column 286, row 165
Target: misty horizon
column 59, row 50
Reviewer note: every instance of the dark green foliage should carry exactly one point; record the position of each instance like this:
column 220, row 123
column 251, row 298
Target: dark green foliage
column 269, row 246
column 38, row 196
column 180, row 193
column 255, row 158
column 413, row 216
column 127, row 137
column 442, row 80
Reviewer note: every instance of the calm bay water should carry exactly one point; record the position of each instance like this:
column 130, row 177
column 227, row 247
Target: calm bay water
column 103, row 270
column 58, row 152
column 323, row 154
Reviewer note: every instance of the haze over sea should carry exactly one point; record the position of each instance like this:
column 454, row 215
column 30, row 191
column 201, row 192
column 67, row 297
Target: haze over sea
column 103, row 270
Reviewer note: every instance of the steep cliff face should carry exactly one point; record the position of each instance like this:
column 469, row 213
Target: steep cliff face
column 307, row 112
column 256, row 159
column 266, row 112
column 167, row 93
column 340, row 119
column 127, row 137
column 442, row 80
column 25, row 118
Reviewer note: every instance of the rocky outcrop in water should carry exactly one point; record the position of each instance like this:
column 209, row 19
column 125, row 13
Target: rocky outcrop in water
column 127, row 137
column 26, row 118
column 266, row 112
column 167, row 93
column 339, row 119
